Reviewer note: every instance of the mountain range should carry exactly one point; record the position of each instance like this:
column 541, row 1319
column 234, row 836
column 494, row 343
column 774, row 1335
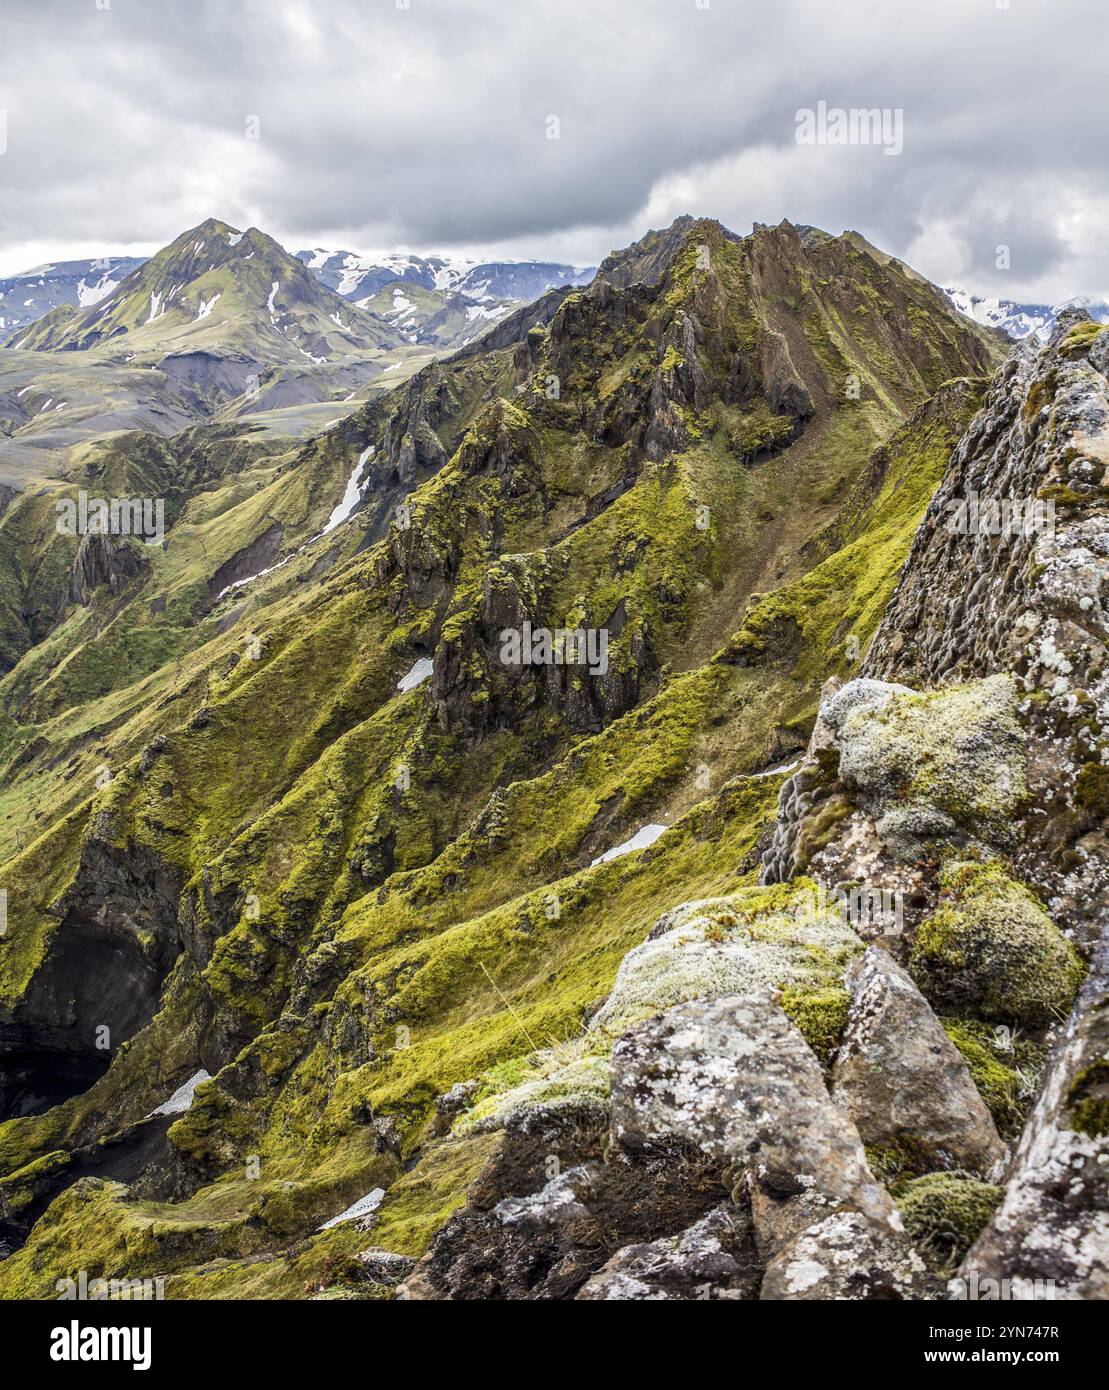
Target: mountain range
column 483, row 290
column 1023, row 320
column 462, row 294
column 580, row 822
column 358, row 277
column 223, row 323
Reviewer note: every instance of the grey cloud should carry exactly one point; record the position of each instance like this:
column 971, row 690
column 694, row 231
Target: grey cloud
column 426, row 125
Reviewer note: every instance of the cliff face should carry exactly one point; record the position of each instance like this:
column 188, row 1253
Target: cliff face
column 1028, row 595
column 734, row 969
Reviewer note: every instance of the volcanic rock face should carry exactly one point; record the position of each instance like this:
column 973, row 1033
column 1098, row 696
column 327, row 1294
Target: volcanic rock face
column 1053, row 1222
column 103, row 559
column 117, row 938
column 1027, row 592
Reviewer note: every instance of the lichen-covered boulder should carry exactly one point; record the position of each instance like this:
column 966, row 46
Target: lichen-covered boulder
column 756, row 939
column 902, row 1080
column 845, row 1256
column 1029, row 599
column 991, row 950
column 933, row 770
column 734, row 1077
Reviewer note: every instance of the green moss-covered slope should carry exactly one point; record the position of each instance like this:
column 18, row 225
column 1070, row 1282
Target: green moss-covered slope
column 342, row 899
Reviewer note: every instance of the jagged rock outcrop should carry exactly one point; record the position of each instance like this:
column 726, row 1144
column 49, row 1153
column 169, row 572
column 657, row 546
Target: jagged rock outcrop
column 104, row 560
column 1010, row 572
column 712, row 1096
column 116, row 937
column 1017, row 610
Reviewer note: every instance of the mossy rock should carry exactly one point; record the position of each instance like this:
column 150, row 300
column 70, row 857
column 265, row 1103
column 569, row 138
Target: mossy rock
column 819, row 828
column 991, row 951
column 568, row 1079
column 938, row 769
column 22, row 1188
column 896, row 1162
column 1091, row 789
column 759, row 938
column 820, row 1016
column 944, row 1213
column 1081, row 338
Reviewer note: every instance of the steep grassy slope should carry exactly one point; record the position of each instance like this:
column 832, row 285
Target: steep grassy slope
column 340, row 898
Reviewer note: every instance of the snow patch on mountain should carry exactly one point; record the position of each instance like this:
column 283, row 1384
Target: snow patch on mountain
column 26, row 297
column 644, row 836
column 351, row 495
column 182, row 1098
column 88, row 295
column 349, row 274
column 422, row 671
column 1021, row 320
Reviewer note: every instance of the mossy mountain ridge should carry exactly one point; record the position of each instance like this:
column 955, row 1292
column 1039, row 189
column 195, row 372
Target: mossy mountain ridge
column 379, row 916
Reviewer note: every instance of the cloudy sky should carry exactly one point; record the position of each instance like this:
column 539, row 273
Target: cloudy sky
column 426, row 124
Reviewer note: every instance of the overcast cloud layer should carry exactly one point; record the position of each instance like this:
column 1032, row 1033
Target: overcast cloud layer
column 425, row 125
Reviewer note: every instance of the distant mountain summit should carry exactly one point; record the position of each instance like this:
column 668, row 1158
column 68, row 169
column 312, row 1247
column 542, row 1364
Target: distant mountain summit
column 27, row 297
column 1022, row 320
column 215, row 275
column 216, row 288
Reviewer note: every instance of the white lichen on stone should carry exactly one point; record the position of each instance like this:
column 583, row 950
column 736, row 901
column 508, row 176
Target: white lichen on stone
column 727, row 946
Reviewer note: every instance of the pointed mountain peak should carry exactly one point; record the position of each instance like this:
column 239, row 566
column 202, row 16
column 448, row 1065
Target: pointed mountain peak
column 648, row 260
column 221, row 290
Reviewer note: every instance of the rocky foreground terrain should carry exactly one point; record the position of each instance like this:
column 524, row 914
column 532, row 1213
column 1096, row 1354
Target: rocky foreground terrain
column 342, row 960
